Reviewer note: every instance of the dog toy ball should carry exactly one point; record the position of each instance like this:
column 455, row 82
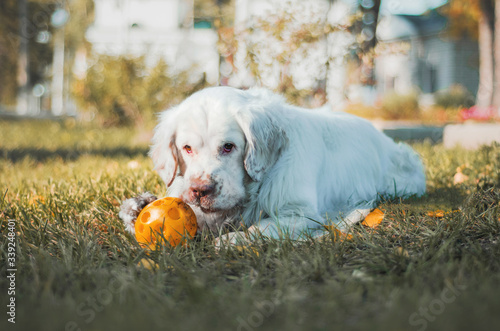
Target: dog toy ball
column 167, row 218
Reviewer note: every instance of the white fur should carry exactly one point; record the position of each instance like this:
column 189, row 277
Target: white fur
column 292, row 170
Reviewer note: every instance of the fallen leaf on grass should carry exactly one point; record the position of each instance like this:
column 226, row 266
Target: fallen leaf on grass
column 437, row 213
column 147, row 264
column 338, row 234
column 401, row 251
column 36, row 200
column 374, row 218
column 247, row 249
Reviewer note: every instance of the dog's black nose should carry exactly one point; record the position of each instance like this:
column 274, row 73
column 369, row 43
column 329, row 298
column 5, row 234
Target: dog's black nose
column 200, row 191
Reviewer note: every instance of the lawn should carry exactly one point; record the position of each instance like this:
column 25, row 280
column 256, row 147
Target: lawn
column 432, row 264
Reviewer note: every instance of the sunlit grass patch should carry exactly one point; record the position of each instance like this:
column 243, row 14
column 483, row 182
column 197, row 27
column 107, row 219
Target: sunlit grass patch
column 76, row 266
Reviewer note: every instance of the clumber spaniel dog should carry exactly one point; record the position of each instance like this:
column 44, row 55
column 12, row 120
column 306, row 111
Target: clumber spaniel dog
column 248, row 156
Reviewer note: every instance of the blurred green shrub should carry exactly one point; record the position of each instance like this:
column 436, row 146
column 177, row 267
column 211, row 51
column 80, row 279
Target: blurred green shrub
column 456, row 96
column 123, row 90
column 396, row 106
column 362, row 110
column 440, row 115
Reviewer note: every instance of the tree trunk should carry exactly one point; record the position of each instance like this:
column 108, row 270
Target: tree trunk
column 23, row 76
column 367, row 57
column 375, row 10
column 496, row 52
column 486, row 65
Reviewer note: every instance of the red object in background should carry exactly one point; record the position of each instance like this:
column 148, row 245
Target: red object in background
column 479, row 113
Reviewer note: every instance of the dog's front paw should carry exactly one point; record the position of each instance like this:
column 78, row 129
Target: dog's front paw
column 238, row 238
column 130, row 209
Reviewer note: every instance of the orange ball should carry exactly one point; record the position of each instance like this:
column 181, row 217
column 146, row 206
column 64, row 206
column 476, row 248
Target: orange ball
column 168, row 218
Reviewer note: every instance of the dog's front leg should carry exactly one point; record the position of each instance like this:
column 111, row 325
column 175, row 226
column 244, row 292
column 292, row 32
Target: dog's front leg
column 295, row 228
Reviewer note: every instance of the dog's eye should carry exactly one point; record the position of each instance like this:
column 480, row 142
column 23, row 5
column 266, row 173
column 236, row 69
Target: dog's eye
column 227, row 148
column 188, row 149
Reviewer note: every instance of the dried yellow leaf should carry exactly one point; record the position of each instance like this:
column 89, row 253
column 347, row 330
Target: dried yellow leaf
column 374, row 218
column 148, row 264
column 339, row 234
column 437, row 213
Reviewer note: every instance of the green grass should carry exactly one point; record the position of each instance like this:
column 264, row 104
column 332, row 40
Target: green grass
column 78, row 269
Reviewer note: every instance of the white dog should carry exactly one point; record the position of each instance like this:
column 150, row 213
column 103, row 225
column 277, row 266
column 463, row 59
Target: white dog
column 247, row 156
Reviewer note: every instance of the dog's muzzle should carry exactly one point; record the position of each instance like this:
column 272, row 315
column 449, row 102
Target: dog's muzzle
column 202, row 194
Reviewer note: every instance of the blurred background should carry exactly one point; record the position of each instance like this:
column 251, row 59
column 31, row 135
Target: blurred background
column 118, row 62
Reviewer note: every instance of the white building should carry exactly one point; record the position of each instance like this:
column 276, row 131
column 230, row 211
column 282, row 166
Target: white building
column 168, row 29
column 158, row 29
column 434, row 60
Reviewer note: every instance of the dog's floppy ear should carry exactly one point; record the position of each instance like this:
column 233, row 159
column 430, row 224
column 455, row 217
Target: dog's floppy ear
column 265, row 137
column 163, row 150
